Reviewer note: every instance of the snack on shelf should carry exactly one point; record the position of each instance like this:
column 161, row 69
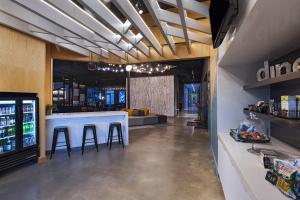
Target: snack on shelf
column 285, row 169
column 288, row 177
column 297, row 179
column 286, row 187
column 267, row 158
column 262, row 107
column 297, row 188
column 253, row 129
column 252, row 135
column 271, row 177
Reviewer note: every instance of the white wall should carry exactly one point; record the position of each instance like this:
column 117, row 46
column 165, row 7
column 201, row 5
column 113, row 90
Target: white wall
column 232, row 98
column 155, row 93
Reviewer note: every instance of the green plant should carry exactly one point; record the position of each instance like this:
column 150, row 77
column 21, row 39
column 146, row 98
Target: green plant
column 49, row 108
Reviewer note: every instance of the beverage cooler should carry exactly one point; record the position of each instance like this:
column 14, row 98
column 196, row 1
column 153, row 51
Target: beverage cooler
column 19, row 129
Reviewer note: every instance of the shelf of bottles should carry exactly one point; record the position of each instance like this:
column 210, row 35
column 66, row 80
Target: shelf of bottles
column 7, row 126
column 29, row 123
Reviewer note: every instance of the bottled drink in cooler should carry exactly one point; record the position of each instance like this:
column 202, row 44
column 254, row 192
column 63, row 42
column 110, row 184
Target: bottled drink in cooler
column 1, row 121
column 13, row 143
column 9, row 131
column 13, row 131
column 7, row 145
column 2, row 134
column 1, row 146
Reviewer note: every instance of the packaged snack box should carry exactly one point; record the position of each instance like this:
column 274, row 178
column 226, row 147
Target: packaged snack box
column 288, row 106
column 286, row 187
column 287, row 177
column 267, row 158
column 285, row 169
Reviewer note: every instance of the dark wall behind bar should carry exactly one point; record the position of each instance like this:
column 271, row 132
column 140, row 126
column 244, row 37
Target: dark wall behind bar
column 186, row 71
column 87, row 90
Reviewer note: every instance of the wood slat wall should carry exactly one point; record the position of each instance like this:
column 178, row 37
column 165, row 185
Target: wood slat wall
column 22, row 69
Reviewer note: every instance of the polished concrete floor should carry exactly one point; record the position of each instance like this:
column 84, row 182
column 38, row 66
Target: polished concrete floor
column 167, row 162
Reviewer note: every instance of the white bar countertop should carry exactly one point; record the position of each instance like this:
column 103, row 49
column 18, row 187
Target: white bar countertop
column 76, row 121
column 85, row 114
column 251, row 170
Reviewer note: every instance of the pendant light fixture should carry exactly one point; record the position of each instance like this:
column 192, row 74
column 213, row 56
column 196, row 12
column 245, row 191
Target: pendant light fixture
column 91, row 65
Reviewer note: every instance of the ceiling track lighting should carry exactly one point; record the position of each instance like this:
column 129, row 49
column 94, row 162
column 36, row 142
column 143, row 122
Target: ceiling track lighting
column 91, row 65
column 136, row 68
column 139, row 8
column 149, row 68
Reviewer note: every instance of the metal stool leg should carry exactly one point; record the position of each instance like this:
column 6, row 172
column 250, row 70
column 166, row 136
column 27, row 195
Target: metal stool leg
column 95, row 138
column 111, row 137
column 54, row 140
column 121, row 135
column 68, row 142
column 108, row 136
column 83, row 140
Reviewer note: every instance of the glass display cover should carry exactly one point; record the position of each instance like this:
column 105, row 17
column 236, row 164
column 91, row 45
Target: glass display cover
column 253, row 129
column 29, row 123
column 7, row 126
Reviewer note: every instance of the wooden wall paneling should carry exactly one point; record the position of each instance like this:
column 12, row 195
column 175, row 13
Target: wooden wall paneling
column 22, row 69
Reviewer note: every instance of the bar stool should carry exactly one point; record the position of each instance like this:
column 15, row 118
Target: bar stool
column 110, row 138
column 65, row 131
column 84, row 139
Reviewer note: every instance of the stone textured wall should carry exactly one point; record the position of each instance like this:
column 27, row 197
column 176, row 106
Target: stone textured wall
column 155, row 93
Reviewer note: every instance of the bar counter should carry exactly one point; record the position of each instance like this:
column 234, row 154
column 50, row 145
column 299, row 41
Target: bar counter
column 76, row 121
column 242, row 174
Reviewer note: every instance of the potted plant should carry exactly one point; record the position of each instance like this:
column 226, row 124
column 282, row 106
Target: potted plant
column 49, row 108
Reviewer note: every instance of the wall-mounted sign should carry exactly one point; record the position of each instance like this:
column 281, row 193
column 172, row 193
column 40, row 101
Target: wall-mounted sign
column 277, row 70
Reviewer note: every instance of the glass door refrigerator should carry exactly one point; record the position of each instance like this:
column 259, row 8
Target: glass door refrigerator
column 7, row 126
column 18, row 129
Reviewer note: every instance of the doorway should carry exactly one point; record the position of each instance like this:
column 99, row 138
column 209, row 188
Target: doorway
column 191, row 98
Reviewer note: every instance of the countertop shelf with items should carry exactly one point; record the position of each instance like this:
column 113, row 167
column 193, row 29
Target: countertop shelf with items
column 29, row 133
column 6, row 137
column 282, row 78
column 249, row 168
column 8, row 114
column 28, row 122
column 11, row 125
column 292, row 123
column 28, row 112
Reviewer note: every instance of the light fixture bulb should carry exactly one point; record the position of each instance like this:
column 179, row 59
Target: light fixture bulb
column 141, row 11
column 128, row 68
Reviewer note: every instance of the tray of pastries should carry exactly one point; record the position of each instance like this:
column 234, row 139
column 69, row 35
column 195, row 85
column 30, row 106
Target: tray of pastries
column 248, row 136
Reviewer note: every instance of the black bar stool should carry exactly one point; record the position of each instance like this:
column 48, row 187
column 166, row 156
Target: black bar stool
column 110, row 138
column 65, row 131
column 85, row 128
